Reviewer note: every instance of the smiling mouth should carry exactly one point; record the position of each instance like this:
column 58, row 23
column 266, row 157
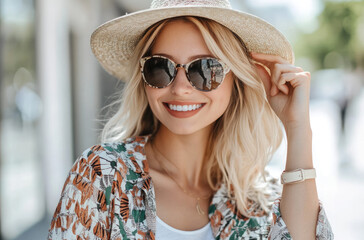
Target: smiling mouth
column 184, row 108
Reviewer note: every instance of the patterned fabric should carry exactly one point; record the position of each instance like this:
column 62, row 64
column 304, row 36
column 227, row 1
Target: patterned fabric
column 109, row 195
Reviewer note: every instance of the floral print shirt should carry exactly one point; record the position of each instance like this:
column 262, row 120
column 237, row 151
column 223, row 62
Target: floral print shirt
column 109, row 194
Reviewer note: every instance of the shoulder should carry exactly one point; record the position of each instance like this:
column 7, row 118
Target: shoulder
column 102, row 174
column 107, row 159
column 129, row 146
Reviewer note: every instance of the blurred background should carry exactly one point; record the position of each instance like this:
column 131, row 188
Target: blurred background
column 53, row 94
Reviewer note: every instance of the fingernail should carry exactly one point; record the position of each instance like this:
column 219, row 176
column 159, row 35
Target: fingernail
column 272, row 92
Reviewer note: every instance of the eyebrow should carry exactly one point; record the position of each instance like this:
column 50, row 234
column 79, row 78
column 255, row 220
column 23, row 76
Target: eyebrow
column 189, row 58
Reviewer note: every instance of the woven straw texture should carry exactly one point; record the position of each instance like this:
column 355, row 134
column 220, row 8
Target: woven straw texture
column 113, row 43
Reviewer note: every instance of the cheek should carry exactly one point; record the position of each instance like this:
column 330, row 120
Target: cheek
column 153, row 95
column 224, row 95
column 224, row 102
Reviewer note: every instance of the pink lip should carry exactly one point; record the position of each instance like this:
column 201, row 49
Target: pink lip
column 178, row 114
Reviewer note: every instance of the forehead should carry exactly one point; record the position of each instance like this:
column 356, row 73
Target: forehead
column 181, row 40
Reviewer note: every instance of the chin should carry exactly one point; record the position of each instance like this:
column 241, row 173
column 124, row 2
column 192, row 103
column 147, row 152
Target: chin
column 187, row 130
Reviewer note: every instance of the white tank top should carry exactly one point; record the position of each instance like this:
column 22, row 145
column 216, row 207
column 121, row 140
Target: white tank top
column 166, row 232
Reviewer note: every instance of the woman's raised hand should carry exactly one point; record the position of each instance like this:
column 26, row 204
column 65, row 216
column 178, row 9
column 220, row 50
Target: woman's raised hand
column 287, row 88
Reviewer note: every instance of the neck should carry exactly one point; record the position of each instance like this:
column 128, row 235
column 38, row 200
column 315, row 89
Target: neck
column 182, row 155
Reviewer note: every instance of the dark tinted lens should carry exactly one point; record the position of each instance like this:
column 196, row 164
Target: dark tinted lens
column 158, row 72
column 206, row 74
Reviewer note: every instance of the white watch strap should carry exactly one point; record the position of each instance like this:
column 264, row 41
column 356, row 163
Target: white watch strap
column 298, row 175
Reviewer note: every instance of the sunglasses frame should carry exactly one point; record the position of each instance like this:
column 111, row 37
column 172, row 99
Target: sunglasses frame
column 225, row 68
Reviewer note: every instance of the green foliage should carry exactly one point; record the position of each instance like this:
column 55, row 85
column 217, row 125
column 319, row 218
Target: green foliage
column 338, row 42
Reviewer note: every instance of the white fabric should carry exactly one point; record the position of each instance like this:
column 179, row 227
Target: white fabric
column 166, row 232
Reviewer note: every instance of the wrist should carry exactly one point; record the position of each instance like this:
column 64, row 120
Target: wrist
column 299, row 147
column 298, row 128
column 297, row 175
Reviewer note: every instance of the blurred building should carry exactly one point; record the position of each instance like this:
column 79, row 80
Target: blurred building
column 52, row 96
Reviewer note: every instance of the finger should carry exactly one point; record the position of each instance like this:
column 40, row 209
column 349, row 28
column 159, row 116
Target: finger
column 277, row 72
column 277, row 65
column 283, row 87
column 274, row 90
column 300, row 79
column 283, row 80
column 264, row 74
column 295, row 79
column 279, row 69
column 268, row 59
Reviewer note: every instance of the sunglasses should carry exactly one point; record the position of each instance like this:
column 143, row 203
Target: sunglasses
column 204, row 74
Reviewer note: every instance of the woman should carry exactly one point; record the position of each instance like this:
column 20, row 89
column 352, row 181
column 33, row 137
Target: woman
column 199, row 118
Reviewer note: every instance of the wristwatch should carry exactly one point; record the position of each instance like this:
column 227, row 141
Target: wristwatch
column 298, row 175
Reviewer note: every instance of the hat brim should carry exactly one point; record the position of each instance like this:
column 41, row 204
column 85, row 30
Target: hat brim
column 113, row 43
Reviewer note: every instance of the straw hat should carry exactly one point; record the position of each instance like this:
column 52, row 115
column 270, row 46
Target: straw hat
column 113, row 42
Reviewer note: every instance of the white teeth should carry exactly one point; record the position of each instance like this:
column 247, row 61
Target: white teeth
column 184, row 108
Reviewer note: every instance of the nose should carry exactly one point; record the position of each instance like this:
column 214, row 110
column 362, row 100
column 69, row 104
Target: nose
column 181, row 85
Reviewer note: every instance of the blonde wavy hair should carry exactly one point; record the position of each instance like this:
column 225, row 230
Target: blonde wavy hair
column 243, row 138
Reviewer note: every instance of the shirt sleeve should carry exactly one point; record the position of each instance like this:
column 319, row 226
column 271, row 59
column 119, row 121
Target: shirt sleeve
column 82, row 212
column 279, row 229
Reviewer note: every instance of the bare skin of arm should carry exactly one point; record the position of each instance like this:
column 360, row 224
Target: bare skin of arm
column 288, row 92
